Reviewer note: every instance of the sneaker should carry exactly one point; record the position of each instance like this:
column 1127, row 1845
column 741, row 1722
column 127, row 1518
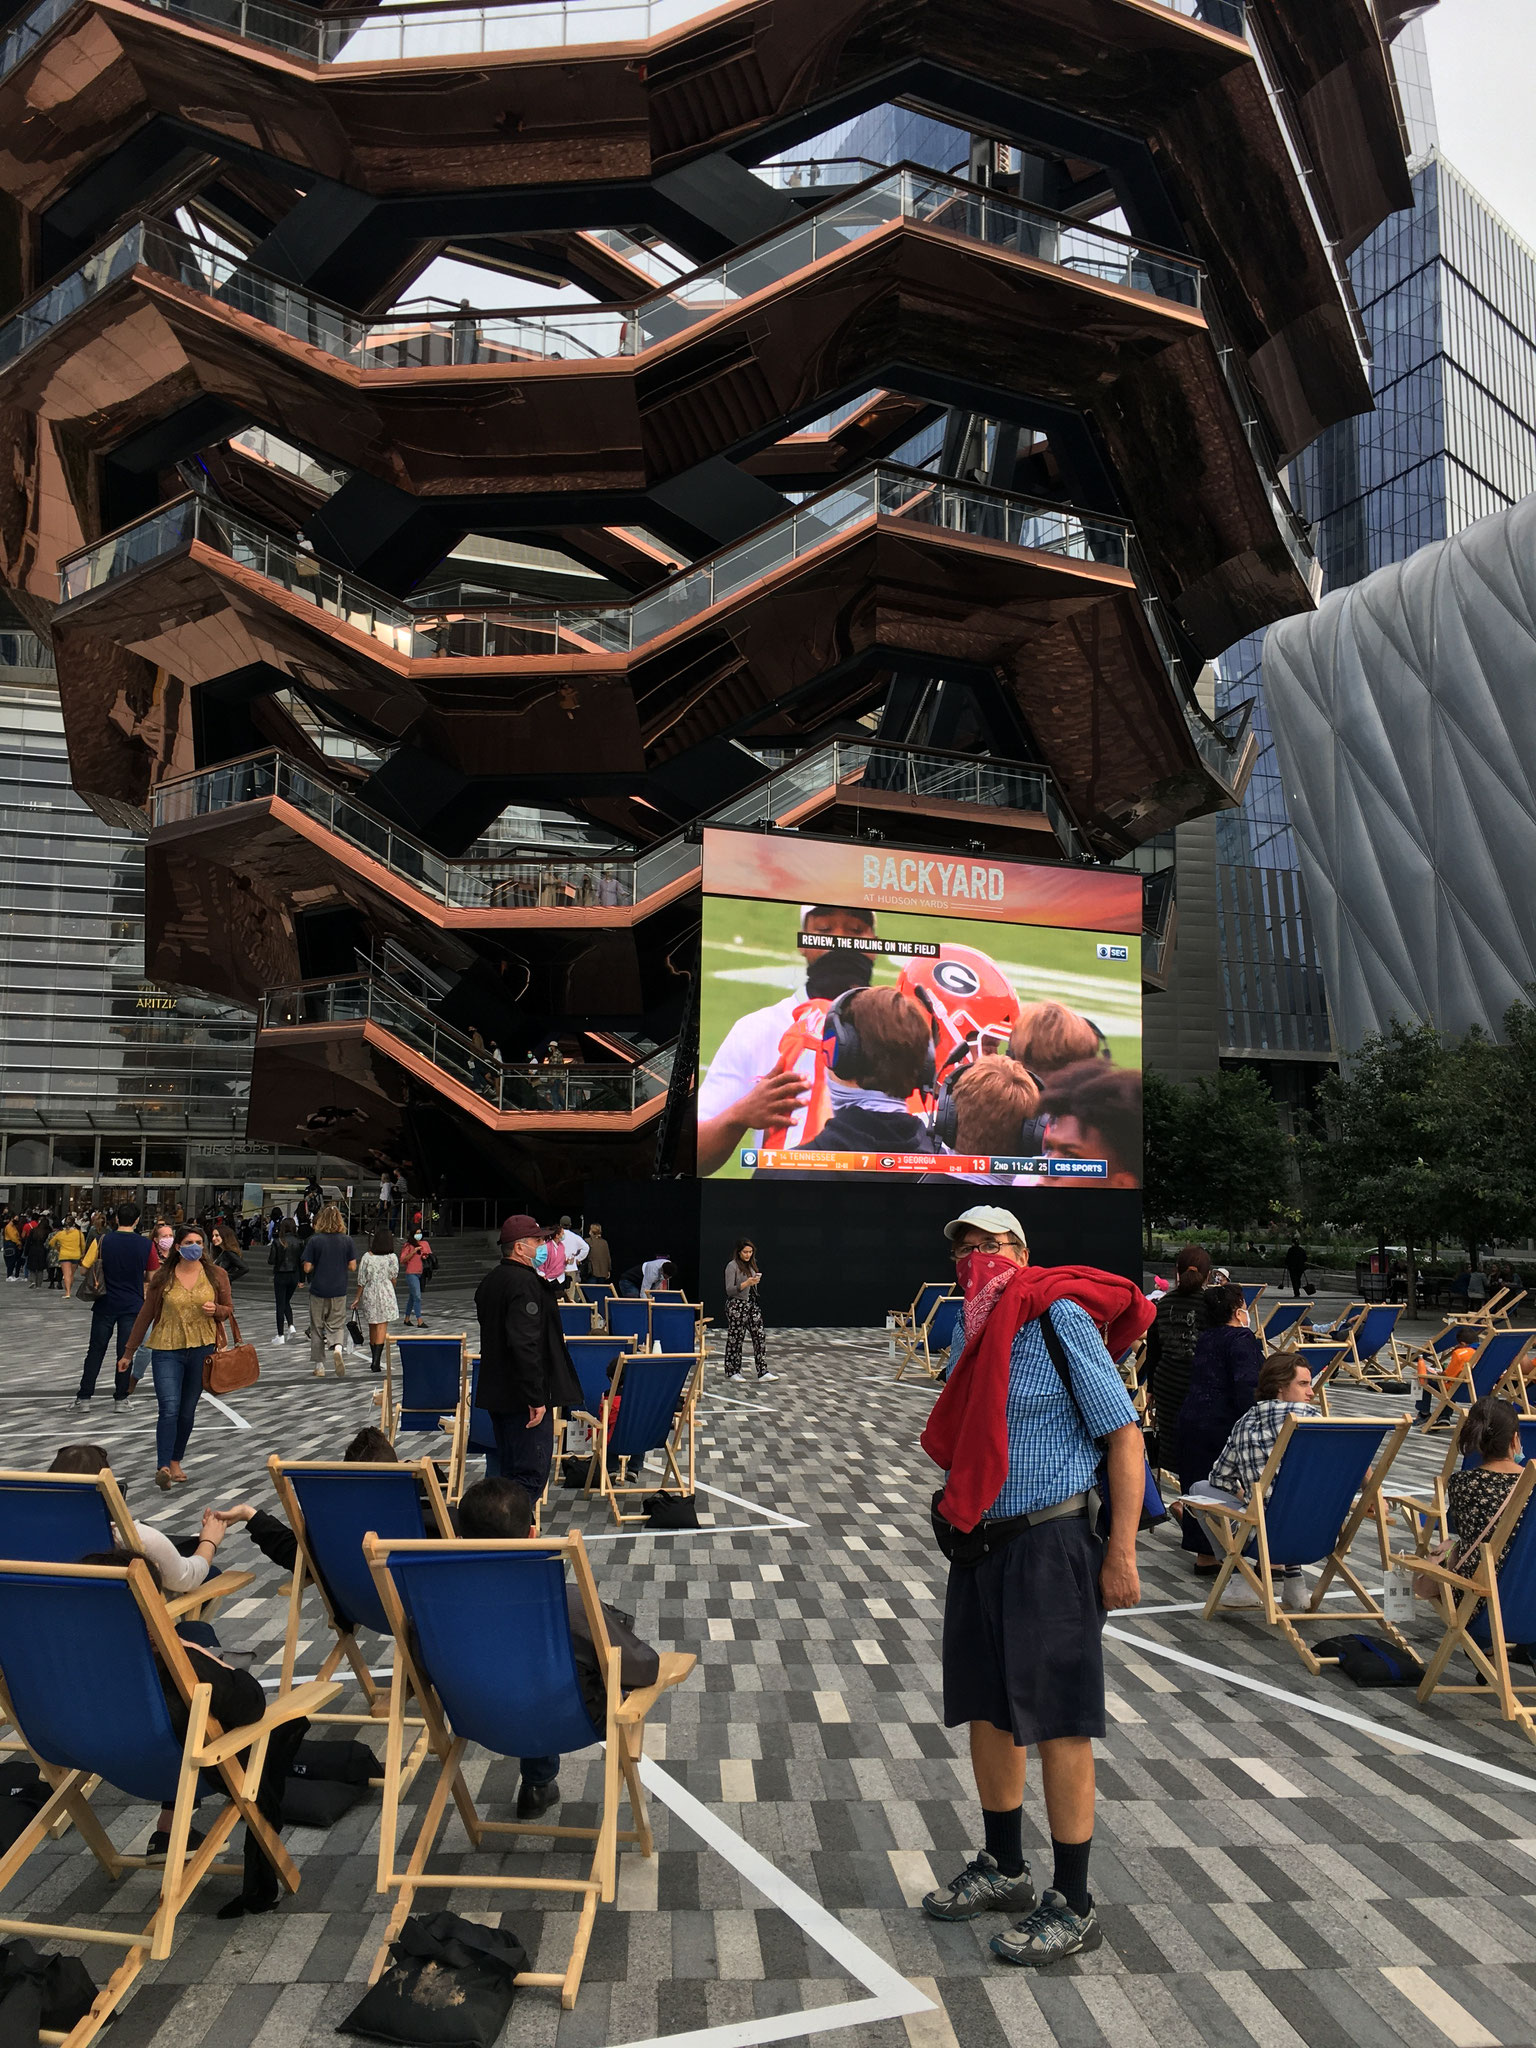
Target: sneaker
column 80, row 1404
column 981, row 1888
column 733, row 1375
column 1295, row 1594
column 341, row 1363
column 1050, row 1934
column 764, row 1374
column 1238, row 1593
column 318, row 1373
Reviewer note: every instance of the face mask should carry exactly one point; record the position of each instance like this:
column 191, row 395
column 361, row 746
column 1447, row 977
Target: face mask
column 974, row 1269
column 541, row 1257
column 190, row 1251
column 163, row 1244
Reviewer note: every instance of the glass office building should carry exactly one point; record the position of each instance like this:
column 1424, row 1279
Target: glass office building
column 109, row 1085
column 1448, row 294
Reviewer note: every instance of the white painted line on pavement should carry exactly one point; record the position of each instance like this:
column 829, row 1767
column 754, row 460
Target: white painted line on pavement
column 1401, row 1738
column 214, row 1402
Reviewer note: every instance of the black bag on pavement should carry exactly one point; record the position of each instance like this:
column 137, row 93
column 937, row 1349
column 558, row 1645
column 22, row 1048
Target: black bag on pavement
column 38, row 1992
column 22, row 1795
column 670, row 1511
column 1371, row 1660
column 448, row 1984
column 337, row 1763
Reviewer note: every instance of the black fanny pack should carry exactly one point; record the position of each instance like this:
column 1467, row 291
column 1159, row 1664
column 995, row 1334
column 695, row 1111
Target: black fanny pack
column 967, row 1547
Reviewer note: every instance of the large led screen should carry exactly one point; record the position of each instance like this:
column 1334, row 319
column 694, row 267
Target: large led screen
column 886, row 1011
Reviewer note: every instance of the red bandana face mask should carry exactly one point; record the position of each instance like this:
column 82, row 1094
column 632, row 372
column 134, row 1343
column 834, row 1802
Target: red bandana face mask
column 976, row 1270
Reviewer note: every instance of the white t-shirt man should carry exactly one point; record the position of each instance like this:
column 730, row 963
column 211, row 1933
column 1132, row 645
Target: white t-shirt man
column 748, row 1050
column 575, row 1247
column 650, row 1274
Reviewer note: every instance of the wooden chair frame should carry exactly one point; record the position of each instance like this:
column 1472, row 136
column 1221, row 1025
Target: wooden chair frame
column 455, row 1427
column 624, row 1736
column 1232, row 1529
column 206, row 1747
column 910, row 1336
column 682, row 1438
column 306, row 1574
column 1424, row 1516
column 1368, row 1371
column 915, row 1344
column 1461, row 1597
column 219, row 1586
column 1513, row 1383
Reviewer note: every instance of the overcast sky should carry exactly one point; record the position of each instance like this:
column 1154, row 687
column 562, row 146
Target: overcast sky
column 1482, row 56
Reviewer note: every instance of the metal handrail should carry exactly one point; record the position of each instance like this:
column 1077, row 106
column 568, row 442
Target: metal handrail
column 423, row 339
column 401, row 34
column 544, row 1091
column 506, row 632
column 518, row 880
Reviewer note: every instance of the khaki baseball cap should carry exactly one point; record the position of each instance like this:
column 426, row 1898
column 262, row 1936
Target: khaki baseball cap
column 997, row 1222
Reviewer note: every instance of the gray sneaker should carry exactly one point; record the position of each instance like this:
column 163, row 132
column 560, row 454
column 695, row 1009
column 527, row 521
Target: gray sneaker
column 981, row 1888
column 1050, row 1934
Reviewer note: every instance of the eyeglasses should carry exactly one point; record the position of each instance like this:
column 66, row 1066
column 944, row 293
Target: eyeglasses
column 979, row 1244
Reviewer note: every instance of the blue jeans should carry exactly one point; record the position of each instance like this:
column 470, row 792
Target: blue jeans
column 412, row 1296
column 178, row 1389
column 107, row 1323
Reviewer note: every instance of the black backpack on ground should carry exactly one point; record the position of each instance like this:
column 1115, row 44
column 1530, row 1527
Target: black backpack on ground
column 670, row 1511
column 449, row 1983
column 1371, row 1660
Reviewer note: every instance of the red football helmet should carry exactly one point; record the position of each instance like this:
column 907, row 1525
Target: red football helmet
column 970, row 1000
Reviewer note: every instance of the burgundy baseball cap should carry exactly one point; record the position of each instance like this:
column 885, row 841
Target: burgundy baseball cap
column 522, row 1226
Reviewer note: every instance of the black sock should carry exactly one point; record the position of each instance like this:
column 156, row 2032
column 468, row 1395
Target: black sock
column 1071, row 1874
column 1005, row 1840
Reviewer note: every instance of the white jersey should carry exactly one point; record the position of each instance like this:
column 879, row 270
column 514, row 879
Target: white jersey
column 749, row 1050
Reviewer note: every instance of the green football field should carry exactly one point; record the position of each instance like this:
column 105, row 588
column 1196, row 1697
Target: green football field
column 751, row 960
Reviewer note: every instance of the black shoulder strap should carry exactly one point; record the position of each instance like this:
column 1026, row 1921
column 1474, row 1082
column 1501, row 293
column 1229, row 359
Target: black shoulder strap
column 1063, row 1365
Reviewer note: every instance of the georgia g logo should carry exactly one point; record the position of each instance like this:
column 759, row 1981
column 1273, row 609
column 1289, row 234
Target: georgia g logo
column 957, row 978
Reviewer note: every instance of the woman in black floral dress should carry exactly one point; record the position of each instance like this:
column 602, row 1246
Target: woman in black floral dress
column 1473, row 1498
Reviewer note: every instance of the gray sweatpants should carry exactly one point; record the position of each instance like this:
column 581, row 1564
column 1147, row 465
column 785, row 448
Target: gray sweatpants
column 327, row 1324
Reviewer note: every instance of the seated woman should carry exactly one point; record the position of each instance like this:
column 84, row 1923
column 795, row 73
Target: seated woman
column 178, row 1568
column 1475, row 1499
column 238, row 1699
column 1223, row 1384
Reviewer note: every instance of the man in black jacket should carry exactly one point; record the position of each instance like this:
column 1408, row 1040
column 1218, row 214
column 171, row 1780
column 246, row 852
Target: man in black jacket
column 525, row 1369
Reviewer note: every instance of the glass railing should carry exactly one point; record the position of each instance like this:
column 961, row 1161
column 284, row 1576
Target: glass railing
column 21, row 649
column 886, row 765
column 572, row 1090
column 520, row 880
column 405, row 33
column 881, row 492
column 424, row 340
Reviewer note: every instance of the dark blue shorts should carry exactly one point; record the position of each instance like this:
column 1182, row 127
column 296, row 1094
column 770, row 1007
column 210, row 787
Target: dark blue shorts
column 1023, row 1636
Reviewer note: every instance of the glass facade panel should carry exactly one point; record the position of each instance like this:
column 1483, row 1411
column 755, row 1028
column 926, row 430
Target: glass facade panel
column 1448, row 295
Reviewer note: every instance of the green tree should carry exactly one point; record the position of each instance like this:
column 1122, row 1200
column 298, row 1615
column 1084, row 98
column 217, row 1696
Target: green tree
column 1165, row 1115
column 1235, row 1158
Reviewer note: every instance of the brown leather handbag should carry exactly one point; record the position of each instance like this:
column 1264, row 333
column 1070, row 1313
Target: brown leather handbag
column 230, row 1366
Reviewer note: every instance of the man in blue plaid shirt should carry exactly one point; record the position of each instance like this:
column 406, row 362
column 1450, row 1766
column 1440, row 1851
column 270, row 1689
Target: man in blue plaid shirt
column 1023, row 1622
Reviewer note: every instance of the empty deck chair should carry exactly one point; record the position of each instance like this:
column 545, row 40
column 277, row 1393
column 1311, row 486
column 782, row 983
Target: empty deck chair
column 1322, row 1479
column 78, row 1646
column 650, row 1408
column 596, row 1360
column 599, row 1293
column 1498, row 1367
column 904, row 1323
column 1376, row 1332
column 331, row 1508
column 931, row 1339
column 59, row 1517
column 1326, row 1362
column 1252, row 1291
column 677, row 1326
column 483, row 1632
column 577, row 1319
column 426, row 1388
column 1283, row 1325
column 1490, row 1611
column 630, row 1318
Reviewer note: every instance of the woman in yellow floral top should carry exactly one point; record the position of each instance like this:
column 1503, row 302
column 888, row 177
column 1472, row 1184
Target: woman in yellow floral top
column 184, row 1303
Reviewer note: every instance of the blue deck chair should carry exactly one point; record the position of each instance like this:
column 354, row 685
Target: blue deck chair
column 1322, row 1480
column 60, row 1517
column 1283, row 1324
column 1501, row 1355
column 630, row 1318
column 577, row 1319
column 672, row 1295
column 677, row 1326
column 331, row 1507
column 426, row 1388
column 78, row 1646
column 1253, row 1290
column 1376, row 1332
column 904, row 1323
column 511, row 1686
column 932, row 1339
column 1326, row 1361
column 1489, row 1611
column 599, row 1293
column 596, row 1360
column 655, row 1396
